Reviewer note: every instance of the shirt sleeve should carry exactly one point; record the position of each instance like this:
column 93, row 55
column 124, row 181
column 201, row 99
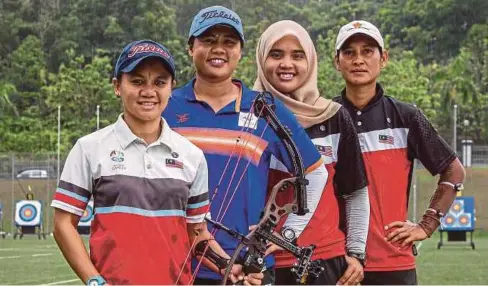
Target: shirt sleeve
column 317, row 180
column 75, row 185
column 198, row 200
column 426, row 145
column 350, row 171
column 310, row 156
column 357, row 220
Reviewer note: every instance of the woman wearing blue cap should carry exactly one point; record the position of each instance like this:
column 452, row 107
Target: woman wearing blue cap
column 149, row 184
column 215, row 112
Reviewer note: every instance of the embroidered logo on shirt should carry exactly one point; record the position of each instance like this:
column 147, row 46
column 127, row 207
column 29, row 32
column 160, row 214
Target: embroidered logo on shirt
column 182, row 117
column 324, row 150
column 172, row 163
column 117, row 156
column 386, row 139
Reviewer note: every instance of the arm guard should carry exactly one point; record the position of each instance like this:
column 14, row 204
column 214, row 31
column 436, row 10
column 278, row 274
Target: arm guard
column 211, row 255
column 442, row 198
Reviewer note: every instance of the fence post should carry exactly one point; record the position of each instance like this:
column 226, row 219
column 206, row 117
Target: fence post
column 454, row 130
column 48, row 196
column 13, row 196
column 59, row 141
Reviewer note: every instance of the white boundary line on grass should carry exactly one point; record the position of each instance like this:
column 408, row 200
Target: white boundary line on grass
column 33, row 255
column 62, row 282
column 8, row 257
column 41, row 254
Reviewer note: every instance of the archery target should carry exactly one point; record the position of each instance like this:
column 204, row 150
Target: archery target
column 87, row 216
column 460, row 215
column 457, row 206
column 465, row 220
column 28, row 213
column 449, row 220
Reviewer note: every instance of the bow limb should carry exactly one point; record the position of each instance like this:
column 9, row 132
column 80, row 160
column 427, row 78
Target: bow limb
column 257, row 239
column 235, row 256
column 284, row 133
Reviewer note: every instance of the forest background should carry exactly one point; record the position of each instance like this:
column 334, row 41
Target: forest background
column 61, row 53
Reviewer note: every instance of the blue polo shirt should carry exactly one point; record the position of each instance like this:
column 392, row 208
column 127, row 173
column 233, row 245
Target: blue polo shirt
column 244, row 143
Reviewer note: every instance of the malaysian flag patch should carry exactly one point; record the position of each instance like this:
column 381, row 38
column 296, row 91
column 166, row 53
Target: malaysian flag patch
column 172, row 163
column 386, row 139
column 324, row 150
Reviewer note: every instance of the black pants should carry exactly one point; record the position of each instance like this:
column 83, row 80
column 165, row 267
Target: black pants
column 269, row 278
column 404, row 277
column 333, row 270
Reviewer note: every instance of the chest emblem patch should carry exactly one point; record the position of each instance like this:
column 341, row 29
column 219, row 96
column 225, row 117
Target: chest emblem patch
column 117, row 156
column 386, row 139
column 172, row 163
column 324, row 150
column 180, row 118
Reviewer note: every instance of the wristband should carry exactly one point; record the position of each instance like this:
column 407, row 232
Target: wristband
column 96, row 281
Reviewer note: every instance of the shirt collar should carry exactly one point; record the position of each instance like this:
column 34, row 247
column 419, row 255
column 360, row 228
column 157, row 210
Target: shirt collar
column 244, row 101
column 126, row 137
column 376, row 98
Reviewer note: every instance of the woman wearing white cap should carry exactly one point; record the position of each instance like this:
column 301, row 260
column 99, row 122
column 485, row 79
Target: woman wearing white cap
column 287, row 67
column 392, row 135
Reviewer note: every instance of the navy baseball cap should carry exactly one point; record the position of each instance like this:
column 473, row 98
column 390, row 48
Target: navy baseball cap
column 215, row 15
column 135, row 52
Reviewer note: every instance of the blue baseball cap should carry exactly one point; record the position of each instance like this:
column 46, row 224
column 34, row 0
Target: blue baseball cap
column 135, row 52
column 215, row 15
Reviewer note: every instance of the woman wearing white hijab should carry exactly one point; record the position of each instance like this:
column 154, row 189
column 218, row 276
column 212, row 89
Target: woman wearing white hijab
column 287, row 68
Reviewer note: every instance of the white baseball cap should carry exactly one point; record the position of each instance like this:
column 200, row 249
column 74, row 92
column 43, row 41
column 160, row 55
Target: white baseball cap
column 359, row 27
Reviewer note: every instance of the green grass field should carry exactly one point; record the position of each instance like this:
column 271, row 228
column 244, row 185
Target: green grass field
column 30, row 261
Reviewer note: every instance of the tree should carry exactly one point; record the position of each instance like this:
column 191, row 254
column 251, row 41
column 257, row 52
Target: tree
column 78, row 88
column 26, row 71
column 404, row 79
column 6, row 105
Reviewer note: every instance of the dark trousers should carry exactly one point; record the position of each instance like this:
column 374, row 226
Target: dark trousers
column 404, row 277
column 333, row 270
column 269, row 278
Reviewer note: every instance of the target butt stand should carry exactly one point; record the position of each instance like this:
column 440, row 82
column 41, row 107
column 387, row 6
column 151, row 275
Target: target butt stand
column 28, row 219
column 3, row 233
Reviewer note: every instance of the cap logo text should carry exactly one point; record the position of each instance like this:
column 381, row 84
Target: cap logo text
column 216, row 14
column 146, row 48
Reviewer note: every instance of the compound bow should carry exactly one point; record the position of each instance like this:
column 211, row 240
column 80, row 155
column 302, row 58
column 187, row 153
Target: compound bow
column 257, row 240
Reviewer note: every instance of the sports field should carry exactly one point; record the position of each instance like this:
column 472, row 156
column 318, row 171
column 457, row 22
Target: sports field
column 31, row 261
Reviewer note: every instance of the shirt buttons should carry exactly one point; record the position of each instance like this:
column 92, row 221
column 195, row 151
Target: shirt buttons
column 360, row 123
column 359, row 112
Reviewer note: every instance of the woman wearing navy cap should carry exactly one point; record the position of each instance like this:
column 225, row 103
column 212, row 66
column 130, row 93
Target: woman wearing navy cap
column 149, row 185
